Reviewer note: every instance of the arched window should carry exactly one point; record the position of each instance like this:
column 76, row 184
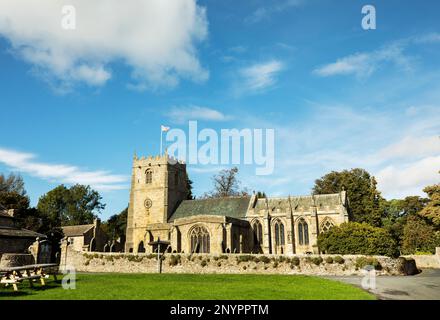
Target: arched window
column 200, row 240
column 148, row 176
column 257, row 229
column 279, row 233
column 141, row 247
column 303, row 232
column 327, row 225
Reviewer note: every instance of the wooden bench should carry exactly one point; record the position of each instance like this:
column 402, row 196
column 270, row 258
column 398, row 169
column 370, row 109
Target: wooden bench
column 33, row 272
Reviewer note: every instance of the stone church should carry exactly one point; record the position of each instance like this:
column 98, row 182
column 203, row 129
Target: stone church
column 158, row 210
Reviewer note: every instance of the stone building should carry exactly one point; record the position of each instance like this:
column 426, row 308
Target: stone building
column 158, row 209
column 12, row 238
column 86, row 237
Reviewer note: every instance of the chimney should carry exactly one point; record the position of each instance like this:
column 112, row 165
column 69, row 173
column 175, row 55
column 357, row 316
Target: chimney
column 97, row 222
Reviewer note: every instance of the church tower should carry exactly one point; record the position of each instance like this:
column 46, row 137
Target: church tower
column 158, row 186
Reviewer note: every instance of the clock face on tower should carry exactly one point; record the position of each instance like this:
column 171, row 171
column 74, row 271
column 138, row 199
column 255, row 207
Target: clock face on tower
column 148, row 203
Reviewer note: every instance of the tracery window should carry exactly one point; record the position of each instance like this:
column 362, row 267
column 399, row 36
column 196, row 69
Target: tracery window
column 279, row 233
column 200, row 240
column 327, row 225
column 257, row 229
column 303, row 232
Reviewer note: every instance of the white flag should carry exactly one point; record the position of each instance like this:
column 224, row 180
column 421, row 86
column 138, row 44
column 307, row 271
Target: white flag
column 164, row 129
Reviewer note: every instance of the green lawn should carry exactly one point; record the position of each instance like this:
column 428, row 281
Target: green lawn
column 190, row 286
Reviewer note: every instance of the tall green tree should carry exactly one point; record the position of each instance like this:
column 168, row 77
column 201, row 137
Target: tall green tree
column 64, row 206
column 396, row 213
column 432, row 209
column 12, row 192
column 419, row 236
column 364, row 198
column 116, row 225
column 226, row 184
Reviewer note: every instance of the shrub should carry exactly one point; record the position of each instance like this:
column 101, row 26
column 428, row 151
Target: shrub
column 174, row 260
column 295, row 261
column 223, row 257
column 275, row 264
column 264, row 259
column 282, row 259
column 134, row 258
column 362, row 262
column 203, row 263
column 244, row 267
column 87, row 262
column 244, row 258
column 329, row 260
column 339, row 259
column 418, row 235
column 358, row 238
column 219, row 264
column 317, row 260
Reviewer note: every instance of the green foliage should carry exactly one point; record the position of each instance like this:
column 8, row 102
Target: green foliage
column 317, row 260
column 339, row 260
column 12, row 192
column 357, row 238
column 135, row 258
column 329, row 260
column 418, row 235
column 226, row 184
column 116, row 225
column 70, row 206
column 432, row 209
column 264, row 259
column 204, row 263
column 244, row 258
column 174, row 260
column 362, row 262
column 295, row 261
column 364, row 198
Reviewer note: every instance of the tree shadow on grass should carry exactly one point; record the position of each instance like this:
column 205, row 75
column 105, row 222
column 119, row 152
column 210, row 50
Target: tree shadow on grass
column 25, row 290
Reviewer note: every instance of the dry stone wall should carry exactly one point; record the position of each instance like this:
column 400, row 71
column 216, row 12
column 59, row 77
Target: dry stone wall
column 228, row 264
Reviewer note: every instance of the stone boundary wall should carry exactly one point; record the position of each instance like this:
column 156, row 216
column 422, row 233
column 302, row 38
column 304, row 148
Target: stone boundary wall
column 427, row 261
column 225, row 264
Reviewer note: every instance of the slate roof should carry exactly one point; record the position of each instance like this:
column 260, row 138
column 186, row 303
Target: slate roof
column 299, row 201
column 74, row 231
column 234, row 207
column 20, row 233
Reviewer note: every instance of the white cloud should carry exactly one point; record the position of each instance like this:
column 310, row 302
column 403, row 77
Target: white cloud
column 260, row 76
column 428, row 38
column 397, row 181
column 410, row 147
column 155, row 38
column 61, row 173
column 365, row 64
column 265, row 12
column 181, row 115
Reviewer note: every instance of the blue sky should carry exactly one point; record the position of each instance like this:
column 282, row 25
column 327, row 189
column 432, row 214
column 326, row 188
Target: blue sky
column 76, row 104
